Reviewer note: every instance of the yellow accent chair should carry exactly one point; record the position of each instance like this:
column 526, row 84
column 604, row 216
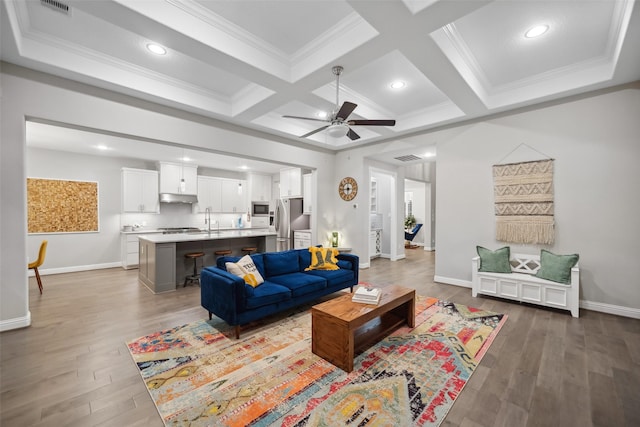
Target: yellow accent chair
column 37, row 263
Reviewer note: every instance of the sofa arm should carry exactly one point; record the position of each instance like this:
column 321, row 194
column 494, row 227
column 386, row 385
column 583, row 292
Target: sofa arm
column 354, row 260
column 222, row 293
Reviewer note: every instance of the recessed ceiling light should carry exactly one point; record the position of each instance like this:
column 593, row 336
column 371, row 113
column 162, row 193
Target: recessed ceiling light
column 429, row 154
column 243, row 167
column 398, row 84
column 156, row 48
column 185, row 159
column 536, row 31
column 322, row 114
column 102, row 147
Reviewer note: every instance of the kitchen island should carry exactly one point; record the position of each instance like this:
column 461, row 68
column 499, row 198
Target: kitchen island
column 163, row 265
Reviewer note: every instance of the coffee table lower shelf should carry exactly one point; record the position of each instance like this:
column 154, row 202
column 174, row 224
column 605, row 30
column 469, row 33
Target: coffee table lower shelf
column 342, row 329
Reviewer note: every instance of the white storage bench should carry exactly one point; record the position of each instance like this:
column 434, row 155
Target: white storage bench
column 522, row 285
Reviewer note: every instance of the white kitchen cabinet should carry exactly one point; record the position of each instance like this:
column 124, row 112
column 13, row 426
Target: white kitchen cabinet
column 307, row 194
column 129, row 250
column 139, row 190
column 209, row 194
column 172, row 173
column 260, row 187
column 291, row 182
column 301, row 239
column 374, row 196
column 234, row 196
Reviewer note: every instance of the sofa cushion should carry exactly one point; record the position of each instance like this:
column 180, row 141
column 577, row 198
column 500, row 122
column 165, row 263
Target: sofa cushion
column 300, row 283
column 344, row 264
column 304, row 259
column 323, row 259
column 334, row 277
column 278, row 263
column 267, row 293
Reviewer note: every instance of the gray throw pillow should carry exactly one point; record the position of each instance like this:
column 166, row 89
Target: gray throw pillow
column 556, row 268
column 494, row 261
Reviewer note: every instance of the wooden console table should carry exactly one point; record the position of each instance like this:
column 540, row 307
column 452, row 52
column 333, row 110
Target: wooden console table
column 341, row 328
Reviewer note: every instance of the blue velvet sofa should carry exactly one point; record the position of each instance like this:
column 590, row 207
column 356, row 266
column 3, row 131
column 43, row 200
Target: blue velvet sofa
column 286, row 285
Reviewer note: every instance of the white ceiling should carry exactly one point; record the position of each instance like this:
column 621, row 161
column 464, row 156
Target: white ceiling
column 250, row 62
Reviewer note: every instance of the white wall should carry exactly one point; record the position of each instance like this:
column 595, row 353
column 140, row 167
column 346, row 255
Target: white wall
column 72, row 249
column 594, row 141
column 30, row 94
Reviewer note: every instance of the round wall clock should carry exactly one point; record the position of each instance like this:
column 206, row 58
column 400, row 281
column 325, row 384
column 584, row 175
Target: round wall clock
column 348, row 188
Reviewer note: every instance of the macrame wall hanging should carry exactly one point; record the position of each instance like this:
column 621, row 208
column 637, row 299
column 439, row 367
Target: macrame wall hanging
column 524, row 201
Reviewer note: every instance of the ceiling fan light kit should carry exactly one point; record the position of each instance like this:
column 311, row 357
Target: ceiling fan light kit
column 338, row 125
column 338, row 130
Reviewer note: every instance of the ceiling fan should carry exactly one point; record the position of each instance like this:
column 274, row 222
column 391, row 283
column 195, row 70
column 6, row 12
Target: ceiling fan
column 338, row 125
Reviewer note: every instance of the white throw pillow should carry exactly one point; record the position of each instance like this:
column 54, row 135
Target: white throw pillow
column 246, row 269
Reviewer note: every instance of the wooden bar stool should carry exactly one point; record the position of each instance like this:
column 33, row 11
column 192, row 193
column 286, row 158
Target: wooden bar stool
column 249, row 249
column 195, row 277
column 223, row 252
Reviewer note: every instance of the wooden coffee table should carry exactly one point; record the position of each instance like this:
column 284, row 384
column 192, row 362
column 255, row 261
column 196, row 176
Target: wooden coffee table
column 341, row 328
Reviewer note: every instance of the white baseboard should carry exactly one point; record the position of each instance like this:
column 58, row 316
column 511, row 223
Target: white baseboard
column 76, row 268
column 618, row 310
column 429, row 248
column 450, row 281
column 15, row 323
column 398, row 257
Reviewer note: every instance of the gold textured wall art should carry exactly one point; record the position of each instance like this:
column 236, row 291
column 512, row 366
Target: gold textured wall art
column 62, row 206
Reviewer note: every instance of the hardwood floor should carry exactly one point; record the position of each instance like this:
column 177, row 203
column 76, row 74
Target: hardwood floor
column 72, row 368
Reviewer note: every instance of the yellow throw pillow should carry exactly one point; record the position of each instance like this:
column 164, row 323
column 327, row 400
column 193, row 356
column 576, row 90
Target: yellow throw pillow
column 246, row 269
column 323, row 259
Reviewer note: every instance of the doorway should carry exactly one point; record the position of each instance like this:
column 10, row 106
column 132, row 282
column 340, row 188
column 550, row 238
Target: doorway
column 383, row 215
column 418, row 203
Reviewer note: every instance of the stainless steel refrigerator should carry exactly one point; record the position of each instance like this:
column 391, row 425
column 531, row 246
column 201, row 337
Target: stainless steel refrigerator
column 288, row 217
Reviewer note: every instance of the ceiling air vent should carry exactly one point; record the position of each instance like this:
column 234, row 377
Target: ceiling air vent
column 56, row 5
column 408, row 158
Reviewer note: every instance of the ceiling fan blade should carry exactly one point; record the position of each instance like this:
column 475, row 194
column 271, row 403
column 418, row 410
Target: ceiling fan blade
column 306, row 118
column 346, row 109
column 314, row 131
column 352, row 135
column 372, row 122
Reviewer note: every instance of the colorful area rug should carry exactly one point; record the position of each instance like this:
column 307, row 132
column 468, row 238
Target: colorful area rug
column 199, row 375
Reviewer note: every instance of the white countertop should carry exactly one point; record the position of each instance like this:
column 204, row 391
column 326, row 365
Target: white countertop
column 147, row 231
column 215, row 235
column 140, row 231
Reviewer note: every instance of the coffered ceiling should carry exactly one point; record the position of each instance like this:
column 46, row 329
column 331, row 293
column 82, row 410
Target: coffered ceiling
column 251, row 62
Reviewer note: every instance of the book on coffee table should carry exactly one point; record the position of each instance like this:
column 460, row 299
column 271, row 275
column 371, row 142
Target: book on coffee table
column 367, row 295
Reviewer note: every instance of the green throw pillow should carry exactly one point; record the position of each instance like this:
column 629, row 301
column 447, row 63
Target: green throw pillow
column 494, row 261
column 556, row 268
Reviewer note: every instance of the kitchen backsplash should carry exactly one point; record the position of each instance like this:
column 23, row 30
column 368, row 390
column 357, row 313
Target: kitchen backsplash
column 180, row 215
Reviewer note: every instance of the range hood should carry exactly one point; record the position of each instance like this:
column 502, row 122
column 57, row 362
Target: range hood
column 178, row 198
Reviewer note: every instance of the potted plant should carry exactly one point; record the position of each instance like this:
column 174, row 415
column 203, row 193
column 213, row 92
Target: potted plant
column 409, row 221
